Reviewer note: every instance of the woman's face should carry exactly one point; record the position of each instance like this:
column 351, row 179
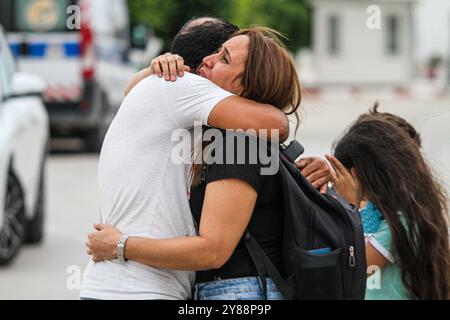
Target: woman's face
column 226, row 67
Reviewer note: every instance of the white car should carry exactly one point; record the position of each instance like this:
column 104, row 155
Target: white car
column 24, row 133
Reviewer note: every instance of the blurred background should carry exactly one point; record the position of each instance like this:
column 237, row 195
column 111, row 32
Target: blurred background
column 64, row 65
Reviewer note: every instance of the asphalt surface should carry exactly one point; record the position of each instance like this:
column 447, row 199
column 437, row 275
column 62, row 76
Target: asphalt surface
column 53, row 269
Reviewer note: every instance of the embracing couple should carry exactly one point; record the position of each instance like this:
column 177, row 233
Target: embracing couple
column 175, row 231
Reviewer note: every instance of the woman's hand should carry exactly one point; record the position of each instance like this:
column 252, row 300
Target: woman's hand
column 345, row 182
column 170, row 66
column 102, row 244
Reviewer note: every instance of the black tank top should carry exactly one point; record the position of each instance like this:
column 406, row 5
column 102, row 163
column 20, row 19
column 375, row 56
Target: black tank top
column 266, row 223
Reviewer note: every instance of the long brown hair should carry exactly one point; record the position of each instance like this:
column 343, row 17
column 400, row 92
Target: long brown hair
column 397, row 179
column 394, row 119
column 269, row 77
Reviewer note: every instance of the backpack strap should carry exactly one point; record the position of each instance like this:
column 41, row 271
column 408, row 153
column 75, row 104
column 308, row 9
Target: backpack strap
column 292, row 151
column 258, row 261
column 262, row 263
column 265, row 267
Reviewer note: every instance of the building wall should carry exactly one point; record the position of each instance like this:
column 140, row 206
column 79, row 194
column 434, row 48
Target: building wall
column 363, row 57
column 433, row 29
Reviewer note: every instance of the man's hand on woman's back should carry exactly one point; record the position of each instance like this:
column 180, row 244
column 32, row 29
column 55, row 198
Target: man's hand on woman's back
column 316, row 171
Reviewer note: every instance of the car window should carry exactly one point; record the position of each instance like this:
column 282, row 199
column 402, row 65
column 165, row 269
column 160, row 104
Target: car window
column 7, row 56
column 3, row 82
column 7, row 66
column 35, row 15
column 41, row 16
column 111, row 27
column 1, row 90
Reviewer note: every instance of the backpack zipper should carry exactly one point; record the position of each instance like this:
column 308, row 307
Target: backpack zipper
column 350, row 238
column 351, row 258
column 351, row 250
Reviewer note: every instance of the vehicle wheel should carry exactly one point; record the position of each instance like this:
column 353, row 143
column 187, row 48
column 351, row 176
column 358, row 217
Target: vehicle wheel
column 13, row 228
column 93, row 139
column 35, row 227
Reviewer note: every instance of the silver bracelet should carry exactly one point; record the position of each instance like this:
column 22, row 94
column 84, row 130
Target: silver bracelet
column 121, row 248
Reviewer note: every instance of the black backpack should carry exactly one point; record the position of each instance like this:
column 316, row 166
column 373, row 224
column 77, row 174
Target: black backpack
column 323, row 247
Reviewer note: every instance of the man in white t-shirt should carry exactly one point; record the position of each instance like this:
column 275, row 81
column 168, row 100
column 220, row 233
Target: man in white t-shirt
column 143, row 192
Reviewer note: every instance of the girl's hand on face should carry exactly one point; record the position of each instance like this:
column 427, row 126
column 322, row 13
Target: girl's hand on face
column 170, row 66
column 102, row 244
column 344, row 182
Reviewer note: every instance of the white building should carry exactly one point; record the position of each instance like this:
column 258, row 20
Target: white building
column 432, row 19
column 363, row 42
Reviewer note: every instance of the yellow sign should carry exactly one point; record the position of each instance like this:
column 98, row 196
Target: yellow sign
column 43, row 15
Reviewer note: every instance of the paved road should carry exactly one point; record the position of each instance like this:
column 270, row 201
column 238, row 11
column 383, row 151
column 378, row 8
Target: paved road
column 41, row 272
column 52, row 270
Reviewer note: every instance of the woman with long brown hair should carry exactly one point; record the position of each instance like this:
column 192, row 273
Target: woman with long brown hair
column 379, row 161
column 227, row 198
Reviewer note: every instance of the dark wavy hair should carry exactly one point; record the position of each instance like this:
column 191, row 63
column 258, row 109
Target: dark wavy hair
column 197, row 41
column 397, row 179
column 394, row 119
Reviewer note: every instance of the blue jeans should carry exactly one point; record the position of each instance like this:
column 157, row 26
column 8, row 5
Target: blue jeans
column 236, row 289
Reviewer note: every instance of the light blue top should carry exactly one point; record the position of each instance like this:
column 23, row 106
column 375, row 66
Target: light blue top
column 371, row 218
column 385, row 284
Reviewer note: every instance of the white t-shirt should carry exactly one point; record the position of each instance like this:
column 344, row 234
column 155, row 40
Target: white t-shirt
column 143, row 193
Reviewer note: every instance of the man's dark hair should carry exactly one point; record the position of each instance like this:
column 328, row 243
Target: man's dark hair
column 197, row 41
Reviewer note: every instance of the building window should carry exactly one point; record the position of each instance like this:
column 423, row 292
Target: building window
column 393, row 35
column 334, row 33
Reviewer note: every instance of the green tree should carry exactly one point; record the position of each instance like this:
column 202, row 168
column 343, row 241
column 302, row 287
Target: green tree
column 291, row 17
column 166, row 17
